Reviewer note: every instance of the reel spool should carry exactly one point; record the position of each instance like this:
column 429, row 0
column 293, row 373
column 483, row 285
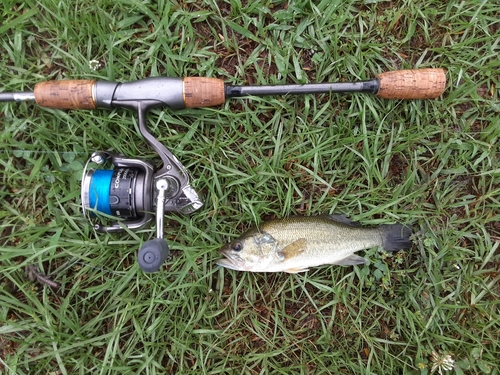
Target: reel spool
column 124, row 192
column 113, row 192
column 131, row 193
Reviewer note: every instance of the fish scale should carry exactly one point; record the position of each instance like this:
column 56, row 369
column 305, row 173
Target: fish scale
column 328, row 241
column 294, row 244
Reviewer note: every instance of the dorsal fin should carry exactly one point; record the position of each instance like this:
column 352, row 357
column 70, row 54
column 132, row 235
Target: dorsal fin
column 340, row 218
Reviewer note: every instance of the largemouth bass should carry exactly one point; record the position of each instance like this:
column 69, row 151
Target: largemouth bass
column 297, row 243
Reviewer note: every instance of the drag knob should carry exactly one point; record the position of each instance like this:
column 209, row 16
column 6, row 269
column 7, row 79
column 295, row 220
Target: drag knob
column 152, row 254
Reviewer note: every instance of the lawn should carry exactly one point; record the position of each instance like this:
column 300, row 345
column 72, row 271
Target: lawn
column 434, row 164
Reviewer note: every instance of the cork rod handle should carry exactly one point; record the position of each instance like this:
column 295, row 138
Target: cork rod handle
column 203, row 92
column 412, row 84
column 71, row 94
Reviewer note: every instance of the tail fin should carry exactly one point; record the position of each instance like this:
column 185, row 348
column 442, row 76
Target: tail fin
column 396, row 237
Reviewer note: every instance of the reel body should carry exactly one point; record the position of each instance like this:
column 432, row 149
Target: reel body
column 131, row 193
column 124, row 192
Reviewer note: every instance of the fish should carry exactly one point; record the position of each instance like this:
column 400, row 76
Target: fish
column 297, row 243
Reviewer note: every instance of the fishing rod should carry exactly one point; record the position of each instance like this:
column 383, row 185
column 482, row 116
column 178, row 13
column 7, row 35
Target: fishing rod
column 195, row 92
column 133, row 191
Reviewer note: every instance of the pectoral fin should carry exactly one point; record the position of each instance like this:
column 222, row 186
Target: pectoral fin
column 294, row 249
column 351, row 260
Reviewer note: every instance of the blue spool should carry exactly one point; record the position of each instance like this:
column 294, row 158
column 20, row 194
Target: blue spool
column 100, row 185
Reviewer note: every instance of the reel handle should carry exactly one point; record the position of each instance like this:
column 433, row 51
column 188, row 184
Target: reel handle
column 154, row 252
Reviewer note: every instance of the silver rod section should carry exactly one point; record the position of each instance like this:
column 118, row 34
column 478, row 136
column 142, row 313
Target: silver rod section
column 162, row 186
column 17, row 96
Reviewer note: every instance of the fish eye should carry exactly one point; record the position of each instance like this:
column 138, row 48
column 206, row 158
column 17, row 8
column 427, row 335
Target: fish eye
column 237, row 246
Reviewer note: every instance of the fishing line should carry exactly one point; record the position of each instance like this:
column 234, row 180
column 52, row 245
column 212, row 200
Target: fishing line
column 99, row 188
column 13, row 151
column 72, row 263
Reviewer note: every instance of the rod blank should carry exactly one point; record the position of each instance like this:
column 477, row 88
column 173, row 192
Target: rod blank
column 309, row 88
column 17, row 96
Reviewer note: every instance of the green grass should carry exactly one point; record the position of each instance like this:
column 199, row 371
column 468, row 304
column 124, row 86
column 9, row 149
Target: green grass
column 432, row 163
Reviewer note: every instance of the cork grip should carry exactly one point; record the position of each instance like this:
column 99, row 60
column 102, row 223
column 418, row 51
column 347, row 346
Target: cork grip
column 203, row 92
column 72, row 94
column 412, row 84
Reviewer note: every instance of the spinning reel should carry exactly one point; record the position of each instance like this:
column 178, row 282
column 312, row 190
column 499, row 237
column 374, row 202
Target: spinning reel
column 133, row 193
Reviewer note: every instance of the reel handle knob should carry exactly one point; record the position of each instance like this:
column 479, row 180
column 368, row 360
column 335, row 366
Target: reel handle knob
column 152, row 254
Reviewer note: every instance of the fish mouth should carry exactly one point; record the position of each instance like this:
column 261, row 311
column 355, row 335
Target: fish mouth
column 230, row 261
